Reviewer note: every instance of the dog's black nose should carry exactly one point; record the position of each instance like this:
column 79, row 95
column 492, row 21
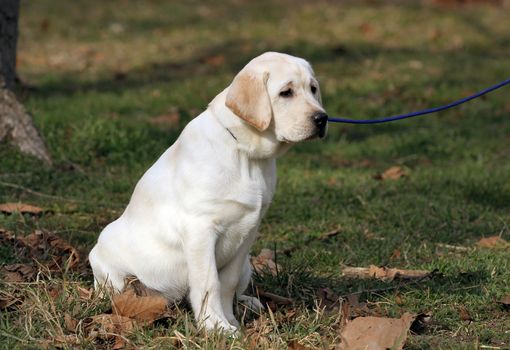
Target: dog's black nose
column 320, row 119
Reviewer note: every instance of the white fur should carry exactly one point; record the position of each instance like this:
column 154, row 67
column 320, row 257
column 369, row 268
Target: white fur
column 194, row 214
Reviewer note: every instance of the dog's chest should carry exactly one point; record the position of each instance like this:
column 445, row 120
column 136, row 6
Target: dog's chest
column 244, row 206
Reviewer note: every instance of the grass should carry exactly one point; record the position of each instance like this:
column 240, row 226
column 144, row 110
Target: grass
column 102, row 70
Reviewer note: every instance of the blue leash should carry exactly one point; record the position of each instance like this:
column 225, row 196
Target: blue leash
column 423, row 112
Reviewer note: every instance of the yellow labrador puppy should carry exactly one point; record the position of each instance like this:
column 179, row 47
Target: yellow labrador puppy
column 194, row 214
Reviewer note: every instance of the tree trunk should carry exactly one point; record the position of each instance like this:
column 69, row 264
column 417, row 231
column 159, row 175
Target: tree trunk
column 16, row 126
column 9, row 14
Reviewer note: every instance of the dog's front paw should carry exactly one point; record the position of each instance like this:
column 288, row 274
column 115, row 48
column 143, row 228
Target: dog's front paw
column 252, row 303
column 213, row 324
column 234, row 322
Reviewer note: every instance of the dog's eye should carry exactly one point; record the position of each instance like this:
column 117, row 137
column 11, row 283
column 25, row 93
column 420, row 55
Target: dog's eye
column 286, row 93
column 314, row 89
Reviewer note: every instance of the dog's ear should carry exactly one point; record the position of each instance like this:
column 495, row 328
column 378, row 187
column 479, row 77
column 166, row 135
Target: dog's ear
column 248, row 98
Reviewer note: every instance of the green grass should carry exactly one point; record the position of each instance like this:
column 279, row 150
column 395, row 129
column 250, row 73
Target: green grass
column 103, row 69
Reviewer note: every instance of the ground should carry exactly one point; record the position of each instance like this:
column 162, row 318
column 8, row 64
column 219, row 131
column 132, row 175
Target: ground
column 111, row 84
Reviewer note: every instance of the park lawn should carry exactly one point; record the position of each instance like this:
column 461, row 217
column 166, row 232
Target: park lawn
column 104, row 75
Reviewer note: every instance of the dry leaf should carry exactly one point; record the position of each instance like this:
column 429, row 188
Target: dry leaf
column 108, row 324
column 493, row 242
column 22, row 208
column 395, row 255
column 145, row 308
column 215, row 61
column 393, row 173
column 353, row 308
column 383, row 273
column 70, row 323
column 464, row 314
column 18, row 273
column 327, row 298
column 294, row 345
column 170, row 119
column 505, row 301
column 42, row 244
column 85, row 293
column 7, row 300
column 120, row 343
column 264, row 263
column 67, row 339
column 375, row 333
column 132, row 283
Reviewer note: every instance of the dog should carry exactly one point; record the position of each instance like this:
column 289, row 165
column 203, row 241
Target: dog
column 193, row 216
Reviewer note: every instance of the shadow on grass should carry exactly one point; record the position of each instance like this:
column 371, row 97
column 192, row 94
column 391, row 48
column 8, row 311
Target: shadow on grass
column 234, row 54
column 303, row 285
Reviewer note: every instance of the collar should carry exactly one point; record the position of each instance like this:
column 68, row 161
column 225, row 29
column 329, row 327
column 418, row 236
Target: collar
column 230, row 132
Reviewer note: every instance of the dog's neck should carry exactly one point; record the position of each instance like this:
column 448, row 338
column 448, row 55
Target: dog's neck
column 256, row 144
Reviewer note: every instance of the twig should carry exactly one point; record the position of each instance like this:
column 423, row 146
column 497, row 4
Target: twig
column 378, row 290
column 321, row 238
column 44, row 195
column 383, row 273
column 453, row 247
column 37, row 193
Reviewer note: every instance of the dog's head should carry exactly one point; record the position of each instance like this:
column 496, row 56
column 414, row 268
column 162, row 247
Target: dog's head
column 279, row 92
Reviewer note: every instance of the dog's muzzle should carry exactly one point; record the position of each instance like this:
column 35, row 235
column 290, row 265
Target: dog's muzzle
column 320, row 119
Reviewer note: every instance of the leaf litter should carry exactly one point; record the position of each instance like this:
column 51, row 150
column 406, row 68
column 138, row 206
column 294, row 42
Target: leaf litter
column 375, row 333
column 494, row 242
column 392, row 173
column 11, row 208
column 264, row 263
column 384, row 273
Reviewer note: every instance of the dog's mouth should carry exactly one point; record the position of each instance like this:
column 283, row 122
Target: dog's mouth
column 319, row 133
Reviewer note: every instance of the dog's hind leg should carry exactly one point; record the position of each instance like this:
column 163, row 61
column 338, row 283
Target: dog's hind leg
column 252, row 303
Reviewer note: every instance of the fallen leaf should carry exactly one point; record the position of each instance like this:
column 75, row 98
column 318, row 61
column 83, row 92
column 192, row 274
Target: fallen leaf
column 85, row 293
column 393, row 173
column 120, row 343
column 144, row 308
column 18, row 273
column 132, row 283
column 70, row 323
column 366, row 28
column 8, row 300
column 505, row 301
column 45, row 24
column 108, row 325
column 10, row 208
column 327, row 298
column 354, row 308
column 43, row 245
column 395, row 255
column 464, row 314
column 493, row 242
column 353, row 300
column 170, row 119
column 374, row 333
column 215, row 60
column 383, row 273
column 264, row 263
column 67, row 339
column 294, row 345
